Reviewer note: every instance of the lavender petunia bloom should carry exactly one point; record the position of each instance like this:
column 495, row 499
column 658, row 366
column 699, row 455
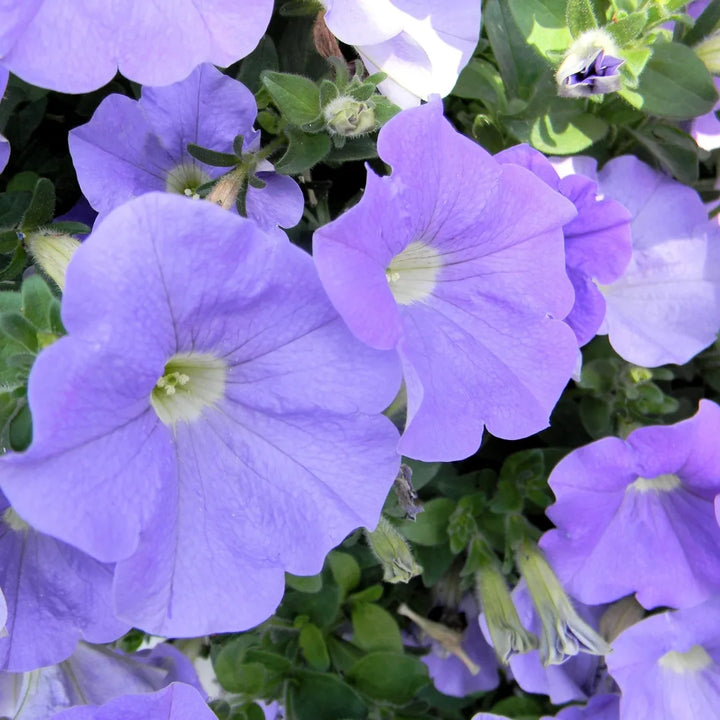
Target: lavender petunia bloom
column 706, row 129
column 597, row 240
column 591, row 66
column 599, row 707
column 77, row 47
column 622, row 505
column 422, row 45
column 457, row 262
column 57, row 596
column 668, row 665
column 666, row 306
column 450, row 674
column 92, row 675
column 175, row 702
column 4, row 144
column 200, row 417
column 133, row 147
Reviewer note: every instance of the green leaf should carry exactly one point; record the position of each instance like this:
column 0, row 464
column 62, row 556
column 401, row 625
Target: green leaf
column 212, row 157
column 345, row 570
column 374, row 628
column 674, row 84
column 344, row 655
column 313, row 647
column 20, row 433
column 297, row 97
column 435, row 561
column 628, row 28
column 389, row 677
column 71, row 228
column 247, row 678
column 11, row 267
column 324, row 697
column 14, row 326
column 303, row 152
column 564, row 130
column 430, row 528
column 12, row 208
column 37, row 299
column 369, row 594
column 479, row 80
column 580, row 16
column 705, row 24
column 9, row 241
column 263, row 57
column 359, row 148
column 422, row 472
column 42, row 205
column 543, row 24
column 520, row 66
column 675, row 150
column 230, row 657
column 321, row 607
column 304, row 583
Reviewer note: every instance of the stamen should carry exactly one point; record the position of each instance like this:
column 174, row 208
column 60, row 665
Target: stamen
column 694, row 660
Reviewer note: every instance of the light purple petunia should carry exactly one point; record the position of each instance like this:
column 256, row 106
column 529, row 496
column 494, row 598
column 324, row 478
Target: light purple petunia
column 599, row 707
column 131, row 147
column 666, row 306
column 450, row 674
column 668, row 665
column 597, row 240
column 78, row 46
column 637, row 516
column 201, row 416
column 57, row 595
column 422, row 45
column 457, row 262
column 92, row 675
column 4, row 144
column 175, row 702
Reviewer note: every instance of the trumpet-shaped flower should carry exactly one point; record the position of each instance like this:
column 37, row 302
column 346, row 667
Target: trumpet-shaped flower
column 131, row 147
column 175, row 702
column 4, row 144
column 597, row 240
column 665, row 308
column 621, row 505
column 92, row 675
column 200, row 417
column 422, row 45
column 57, row 596
column 668, row 665
column 77, row 47
column 456, row 262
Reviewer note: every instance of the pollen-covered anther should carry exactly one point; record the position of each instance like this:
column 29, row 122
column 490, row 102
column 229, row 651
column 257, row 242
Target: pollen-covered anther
column 412, row 273
column 190, row 383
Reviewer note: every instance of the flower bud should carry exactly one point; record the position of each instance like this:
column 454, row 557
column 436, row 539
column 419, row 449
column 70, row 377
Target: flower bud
column 52, row 252
column 508, row 635
column 591, row 66
column 564, row 632
column 227, row 188
column 708, row 50
column 349, row 117
column 393, row 552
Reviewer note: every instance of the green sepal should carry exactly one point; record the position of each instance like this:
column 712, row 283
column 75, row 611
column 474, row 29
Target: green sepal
column 328, row 92
column 212, row 157
column 297, row 97
column 580, row 16
column 42, row 205
column 71, row 228
column 255, row 182
column 237, row 146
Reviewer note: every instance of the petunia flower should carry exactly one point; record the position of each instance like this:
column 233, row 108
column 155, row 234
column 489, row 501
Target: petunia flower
column 599, row 707
column 57, row 596
column 208, row 425
column 422, row 45
column 597, row 240
column 78, row 47
column 668, row 665
column 175, row 702
column 456, row 262
column 637, row 515
column 4, row 144
column 666, row 306
column 131, row 147
column 92, row 675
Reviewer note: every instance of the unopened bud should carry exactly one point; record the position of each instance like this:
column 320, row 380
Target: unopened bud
column 226, row 190
column 52, row 252
column 507, row 633
column 708, row 50
column 349, row 117
column 393, row 552
column 564, row 632
column 591, row 66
